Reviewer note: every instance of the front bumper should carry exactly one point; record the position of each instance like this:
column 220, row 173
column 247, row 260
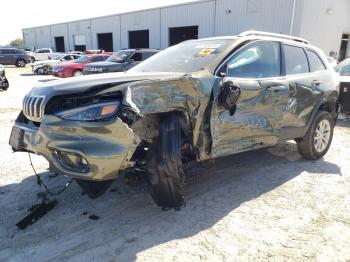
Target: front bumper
column 105, row 147
column 62, row 74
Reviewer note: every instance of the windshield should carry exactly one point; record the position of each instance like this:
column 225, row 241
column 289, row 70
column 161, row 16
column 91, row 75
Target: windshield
column 120, row 56
column 82, row 59
column 185, row 57
column 343, row 68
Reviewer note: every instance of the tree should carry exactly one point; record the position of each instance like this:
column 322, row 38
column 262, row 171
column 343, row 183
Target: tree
column 17, row 42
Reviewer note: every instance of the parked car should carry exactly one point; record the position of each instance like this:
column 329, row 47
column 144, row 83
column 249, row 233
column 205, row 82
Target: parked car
column 4, row 83
column 195, row 101
column 121, row 61
column 41, row 54
column 13, row 56
column 343, row 69
column 45, row 67
column 75, row 68
column 332, row 61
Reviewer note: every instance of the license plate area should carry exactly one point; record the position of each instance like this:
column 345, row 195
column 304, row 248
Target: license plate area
column 16, row 138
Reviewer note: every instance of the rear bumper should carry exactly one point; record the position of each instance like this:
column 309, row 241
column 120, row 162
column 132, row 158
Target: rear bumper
column 104, row 148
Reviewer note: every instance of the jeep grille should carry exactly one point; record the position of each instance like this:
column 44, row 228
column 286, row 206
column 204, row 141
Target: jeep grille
column 32, row 107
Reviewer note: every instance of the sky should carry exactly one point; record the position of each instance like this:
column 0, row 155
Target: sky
column 15, row 15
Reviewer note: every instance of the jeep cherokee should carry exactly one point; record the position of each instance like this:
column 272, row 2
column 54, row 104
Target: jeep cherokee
column 195, row 101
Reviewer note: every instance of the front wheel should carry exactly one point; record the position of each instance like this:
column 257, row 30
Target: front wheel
column 77, row 73
column 164, row 165
column 317, row 141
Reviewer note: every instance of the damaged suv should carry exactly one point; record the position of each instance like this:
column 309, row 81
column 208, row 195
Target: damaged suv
column 192, row 102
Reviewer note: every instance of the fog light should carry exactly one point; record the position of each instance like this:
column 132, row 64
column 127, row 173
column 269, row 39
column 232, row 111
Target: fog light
column 71, row 161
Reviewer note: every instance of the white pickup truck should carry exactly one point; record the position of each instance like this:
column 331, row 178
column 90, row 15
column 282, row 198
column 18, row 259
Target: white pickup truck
column 41, row 54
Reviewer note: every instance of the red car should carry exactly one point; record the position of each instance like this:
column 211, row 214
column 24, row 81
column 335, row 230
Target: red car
column 75, row 68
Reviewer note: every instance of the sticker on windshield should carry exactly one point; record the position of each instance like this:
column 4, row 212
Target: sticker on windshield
column 206, row 52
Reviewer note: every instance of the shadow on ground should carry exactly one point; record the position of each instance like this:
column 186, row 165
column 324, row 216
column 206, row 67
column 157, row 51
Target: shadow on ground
column 130, row 223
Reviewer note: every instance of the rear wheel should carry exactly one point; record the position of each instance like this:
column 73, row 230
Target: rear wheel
column 94, row 189
column 315, row 144
column 20, row 63
column 77, row 73
column 32, row 60
column 165, row 174
column 4, row 85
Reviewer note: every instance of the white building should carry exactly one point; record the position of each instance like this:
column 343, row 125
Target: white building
column 325, row 23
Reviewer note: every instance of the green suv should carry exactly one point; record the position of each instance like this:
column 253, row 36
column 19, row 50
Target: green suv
column 196, row 101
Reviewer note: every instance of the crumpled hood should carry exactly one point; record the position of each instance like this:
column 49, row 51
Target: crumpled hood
column 86, row 83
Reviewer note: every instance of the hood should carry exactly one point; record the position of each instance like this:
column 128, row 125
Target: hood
column 87, row 83
column 102, row 64
column 46, row 62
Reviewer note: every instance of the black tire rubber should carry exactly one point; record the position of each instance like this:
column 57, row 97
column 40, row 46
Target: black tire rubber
column 94, row 189
column 32, row 59
column 5, row 85
column 306, row 145
column 165, row 174
column 19, row 64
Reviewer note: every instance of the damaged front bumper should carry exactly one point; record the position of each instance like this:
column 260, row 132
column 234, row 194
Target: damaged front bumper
column 84, row 150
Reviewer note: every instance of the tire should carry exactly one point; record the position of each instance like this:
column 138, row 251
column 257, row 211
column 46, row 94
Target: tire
column 5, row 85
column 94, row 189
column 318, row 139
column 32, row 60
column 20, row 63
column 77, row 73
column 46, row 70
column 164, row 165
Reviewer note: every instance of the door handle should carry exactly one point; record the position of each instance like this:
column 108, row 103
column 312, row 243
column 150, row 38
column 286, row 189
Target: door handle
column 315, row 83
column 277, row 88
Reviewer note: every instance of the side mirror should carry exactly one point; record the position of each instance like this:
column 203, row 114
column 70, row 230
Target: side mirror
column 228, row 96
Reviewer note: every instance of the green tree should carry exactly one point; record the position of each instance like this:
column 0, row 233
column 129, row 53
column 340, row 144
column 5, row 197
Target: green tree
column 17, row 42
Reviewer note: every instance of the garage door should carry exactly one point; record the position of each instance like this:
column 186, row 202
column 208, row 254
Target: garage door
column 80, row 43
column 180, row 34
column 139, row 39
column 105, row 41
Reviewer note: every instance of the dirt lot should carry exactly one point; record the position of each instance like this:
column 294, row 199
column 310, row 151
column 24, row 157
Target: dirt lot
column 263, row 205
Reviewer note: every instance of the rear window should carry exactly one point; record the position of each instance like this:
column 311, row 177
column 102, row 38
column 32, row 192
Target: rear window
column 146, row 55
column 315, row 61
column 296, row 61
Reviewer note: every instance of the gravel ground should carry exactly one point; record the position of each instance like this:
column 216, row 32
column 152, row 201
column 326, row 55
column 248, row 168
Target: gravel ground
column 262, row 205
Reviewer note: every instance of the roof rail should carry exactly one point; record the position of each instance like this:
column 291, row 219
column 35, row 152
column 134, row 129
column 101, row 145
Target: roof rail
column 261, row 33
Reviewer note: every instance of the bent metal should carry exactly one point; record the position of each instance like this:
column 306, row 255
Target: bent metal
column 192, row 102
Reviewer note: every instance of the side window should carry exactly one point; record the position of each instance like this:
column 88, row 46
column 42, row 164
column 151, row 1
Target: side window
column 146, row 55
column 8, row 51
column 98, row 59
column 296, row 61
column 257, row 60
column 137, row 57
column 315, row 61
column 45, row 51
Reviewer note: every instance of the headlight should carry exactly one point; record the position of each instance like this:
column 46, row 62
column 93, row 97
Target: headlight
column 95, row 112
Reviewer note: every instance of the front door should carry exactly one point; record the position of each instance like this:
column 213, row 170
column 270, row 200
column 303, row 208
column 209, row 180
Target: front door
column 257, row 119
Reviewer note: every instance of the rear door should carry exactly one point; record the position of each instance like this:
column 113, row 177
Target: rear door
column 257, row 121
column 307, row 75
column 8, row 56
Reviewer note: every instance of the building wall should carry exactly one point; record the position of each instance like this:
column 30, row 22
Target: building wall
column 233, row 17
column 323, row 22
column 60, row 30
column 43, row 36
column 29, row 38
column 146, row 20
column 80, row 28
column 214, row 18
column 109, row 24
column 198, row 14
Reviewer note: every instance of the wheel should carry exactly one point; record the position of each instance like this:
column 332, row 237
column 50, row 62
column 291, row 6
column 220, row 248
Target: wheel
column 315, row 144
column 5, row 85
column 164, row 165
column 32, row 59
column 20, row 63
column 77, row 73
column 46, row 70
column 94, row 189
